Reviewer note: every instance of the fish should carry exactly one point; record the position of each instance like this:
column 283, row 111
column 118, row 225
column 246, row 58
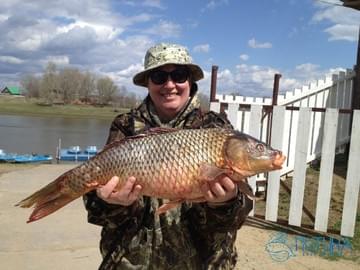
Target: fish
column 167, row 163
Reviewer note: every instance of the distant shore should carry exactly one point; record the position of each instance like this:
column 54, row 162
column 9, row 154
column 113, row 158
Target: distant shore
column 17, row 105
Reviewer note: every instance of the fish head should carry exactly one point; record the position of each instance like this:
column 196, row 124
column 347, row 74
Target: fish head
column 249, row 156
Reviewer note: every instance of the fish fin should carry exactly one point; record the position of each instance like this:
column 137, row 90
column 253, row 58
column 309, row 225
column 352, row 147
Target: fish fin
column 145, row 133
column 158, row 130
column 245, row 188
column 168, row 205
column 47, row 200
column 210, row 172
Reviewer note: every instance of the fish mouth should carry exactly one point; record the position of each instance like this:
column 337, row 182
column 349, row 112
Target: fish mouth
column 278, row 160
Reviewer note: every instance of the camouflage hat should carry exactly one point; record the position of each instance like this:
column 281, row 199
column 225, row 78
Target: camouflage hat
column 165, row 53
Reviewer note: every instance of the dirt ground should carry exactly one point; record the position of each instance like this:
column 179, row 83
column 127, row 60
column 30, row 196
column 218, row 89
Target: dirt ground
column 66, row 241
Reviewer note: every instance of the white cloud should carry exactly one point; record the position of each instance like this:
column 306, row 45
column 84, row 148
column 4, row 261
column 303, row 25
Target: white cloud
column 345, row 22
column 164, row 29
column 254, row 44
column 257, row 81
column 10, row 60
column 60, row 60
column 202, row 48
column 153, row 3
column 244, row 57
column 212, row 5
column 103, row 32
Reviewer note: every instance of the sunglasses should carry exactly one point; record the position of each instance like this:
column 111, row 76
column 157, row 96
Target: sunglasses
column 178, row 75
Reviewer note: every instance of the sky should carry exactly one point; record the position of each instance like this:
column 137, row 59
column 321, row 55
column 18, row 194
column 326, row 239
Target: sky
column 249, row 41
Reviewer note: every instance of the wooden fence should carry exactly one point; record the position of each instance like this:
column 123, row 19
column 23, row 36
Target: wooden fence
column 307, row 124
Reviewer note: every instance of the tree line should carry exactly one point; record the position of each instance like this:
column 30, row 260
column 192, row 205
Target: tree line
column 70, row 85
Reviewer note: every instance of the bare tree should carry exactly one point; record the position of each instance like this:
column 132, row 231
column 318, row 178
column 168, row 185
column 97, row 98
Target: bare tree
column 49, row 83
column 31, row 84
column 69, row 84
column 106, row 90
column 87, row 87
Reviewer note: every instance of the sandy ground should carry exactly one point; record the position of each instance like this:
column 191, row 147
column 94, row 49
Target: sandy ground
column 66, row 241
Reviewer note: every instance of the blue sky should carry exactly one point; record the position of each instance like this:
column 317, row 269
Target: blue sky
column 250, row 41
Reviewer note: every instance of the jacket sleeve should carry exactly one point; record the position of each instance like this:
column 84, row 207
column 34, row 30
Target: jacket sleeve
column 100, row 212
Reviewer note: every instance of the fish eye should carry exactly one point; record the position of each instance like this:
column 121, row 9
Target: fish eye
column 260, row 147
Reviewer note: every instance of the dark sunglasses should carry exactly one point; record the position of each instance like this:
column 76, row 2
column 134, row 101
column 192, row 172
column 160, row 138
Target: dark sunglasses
column 178, row 75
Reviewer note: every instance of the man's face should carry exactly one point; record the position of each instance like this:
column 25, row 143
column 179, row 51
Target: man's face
column 170, row 96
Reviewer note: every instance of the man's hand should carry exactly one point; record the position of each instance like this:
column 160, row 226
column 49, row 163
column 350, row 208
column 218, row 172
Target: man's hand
column 126, row 196
column 220, row 190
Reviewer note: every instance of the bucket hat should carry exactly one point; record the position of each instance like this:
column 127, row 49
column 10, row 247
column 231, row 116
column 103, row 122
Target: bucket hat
column 167, row 53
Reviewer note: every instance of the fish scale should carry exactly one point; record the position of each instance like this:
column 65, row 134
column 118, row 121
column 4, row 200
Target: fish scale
column 167, row 163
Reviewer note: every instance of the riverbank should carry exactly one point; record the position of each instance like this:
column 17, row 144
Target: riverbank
column 18, row 105
column 65, row 240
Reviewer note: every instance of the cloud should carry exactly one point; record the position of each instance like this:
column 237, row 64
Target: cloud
column 257, row 81
column 212, row 5
column 345, row 22
column 244, row 57
column 202, row 48
column 10, row 60
column 164, row 29
column 254, row 44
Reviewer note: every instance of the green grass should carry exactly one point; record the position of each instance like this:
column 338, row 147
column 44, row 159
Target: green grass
column 23, row 106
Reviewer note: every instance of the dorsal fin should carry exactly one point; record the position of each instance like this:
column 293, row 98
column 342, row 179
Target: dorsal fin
column 145, row 133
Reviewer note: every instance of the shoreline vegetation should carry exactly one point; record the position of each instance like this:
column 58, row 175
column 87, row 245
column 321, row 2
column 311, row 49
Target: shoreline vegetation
column 19, row 105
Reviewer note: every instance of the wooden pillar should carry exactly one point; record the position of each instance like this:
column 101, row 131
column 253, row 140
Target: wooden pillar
column 355, row 104
column 214, row 70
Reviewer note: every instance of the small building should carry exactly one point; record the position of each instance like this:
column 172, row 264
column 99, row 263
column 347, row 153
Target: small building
column 11, row 90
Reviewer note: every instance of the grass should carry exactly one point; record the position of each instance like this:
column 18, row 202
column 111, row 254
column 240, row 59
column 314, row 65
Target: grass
column 23, row 106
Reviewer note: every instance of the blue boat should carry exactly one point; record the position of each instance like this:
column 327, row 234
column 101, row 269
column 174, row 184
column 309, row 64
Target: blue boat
column 74, row 153
column 32, row 158
column 26, row 158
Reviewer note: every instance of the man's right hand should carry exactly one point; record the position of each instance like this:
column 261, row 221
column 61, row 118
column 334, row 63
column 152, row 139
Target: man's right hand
column 126, row 196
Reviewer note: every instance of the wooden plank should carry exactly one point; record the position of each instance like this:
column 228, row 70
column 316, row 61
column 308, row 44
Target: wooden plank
column 298, row 183
column 254, row 130
column 326, row 169
column 233, row 114
column 352, row 180
column 272, row 195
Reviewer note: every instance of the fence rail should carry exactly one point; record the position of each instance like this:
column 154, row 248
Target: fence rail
column 310, row 122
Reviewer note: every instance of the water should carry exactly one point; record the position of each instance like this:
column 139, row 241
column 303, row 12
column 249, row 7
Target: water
column 27, row 134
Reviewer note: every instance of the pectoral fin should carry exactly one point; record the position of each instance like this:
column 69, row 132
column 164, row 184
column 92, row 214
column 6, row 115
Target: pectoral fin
column 210, row 172
column 245, row 188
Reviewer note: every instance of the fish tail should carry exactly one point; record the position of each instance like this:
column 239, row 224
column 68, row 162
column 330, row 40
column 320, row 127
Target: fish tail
column 47, row 200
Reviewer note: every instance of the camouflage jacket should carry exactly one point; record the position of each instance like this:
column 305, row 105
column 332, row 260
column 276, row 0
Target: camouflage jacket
column 193, row 236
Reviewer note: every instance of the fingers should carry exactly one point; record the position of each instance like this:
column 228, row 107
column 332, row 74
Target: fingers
column 221, row 190
column 105, row 191
column 135, row 193
column 125, row 196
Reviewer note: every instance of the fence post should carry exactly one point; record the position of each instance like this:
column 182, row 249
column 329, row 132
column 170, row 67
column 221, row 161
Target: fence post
column 214, row 70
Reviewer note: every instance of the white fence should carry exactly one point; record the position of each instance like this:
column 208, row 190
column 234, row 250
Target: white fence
column 332, row 92
column 303, row 135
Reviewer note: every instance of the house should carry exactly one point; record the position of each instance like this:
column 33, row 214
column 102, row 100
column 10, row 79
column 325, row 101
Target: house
column 11, row 90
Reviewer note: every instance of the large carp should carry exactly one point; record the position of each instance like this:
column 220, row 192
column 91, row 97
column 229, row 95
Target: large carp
column 167, row 163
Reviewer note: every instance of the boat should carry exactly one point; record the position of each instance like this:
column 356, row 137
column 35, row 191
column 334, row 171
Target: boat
column 33, row 158
column 23, row 158
column 75, row 153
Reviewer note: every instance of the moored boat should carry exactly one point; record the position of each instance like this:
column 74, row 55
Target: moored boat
column 75, row 153
column 23, row 158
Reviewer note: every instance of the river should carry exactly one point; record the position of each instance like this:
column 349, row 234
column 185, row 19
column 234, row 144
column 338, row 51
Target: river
column 28, row 134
